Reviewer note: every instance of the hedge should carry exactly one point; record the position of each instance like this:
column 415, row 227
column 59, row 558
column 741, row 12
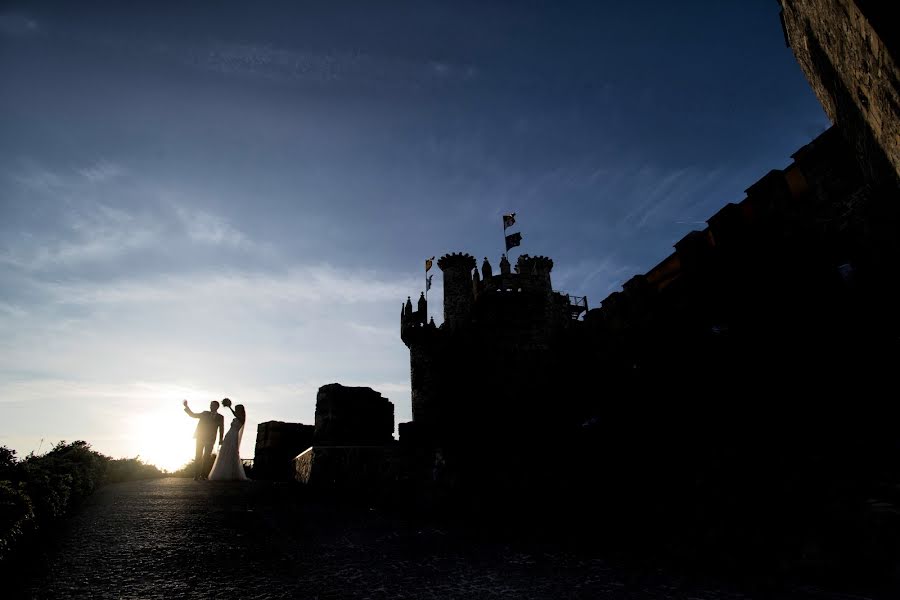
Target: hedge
column 37, row 491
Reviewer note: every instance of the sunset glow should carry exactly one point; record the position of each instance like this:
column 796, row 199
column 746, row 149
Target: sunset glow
column 163, row 438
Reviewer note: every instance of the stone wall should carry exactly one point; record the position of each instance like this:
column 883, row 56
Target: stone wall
column 277, row 443
column 853, row 70
column 352, row 416
column 347, row 468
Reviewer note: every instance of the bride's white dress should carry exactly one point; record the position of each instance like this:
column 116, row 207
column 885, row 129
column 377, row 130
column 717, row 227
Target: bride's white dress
column 228, row 465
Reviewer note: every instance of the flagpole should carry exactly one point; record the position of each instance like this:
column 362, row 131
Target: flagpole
column 429, row 262
column 504, row 235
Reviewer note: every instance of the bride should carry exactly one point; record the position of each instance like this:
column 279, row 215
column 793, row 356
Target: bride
column 228, row 466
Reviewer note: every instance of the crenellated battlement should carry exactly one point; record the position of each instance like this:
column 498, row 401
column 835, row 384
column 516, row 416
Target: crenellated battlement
column 457, row 260
column 412, row 321
column 501, row 282
column 534, row 264
column 465, row 284
column 532, row 275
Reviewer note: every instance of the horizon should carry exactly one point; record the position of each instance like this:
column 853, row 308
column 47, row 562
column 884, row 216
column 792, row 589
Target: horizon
column 211, row 200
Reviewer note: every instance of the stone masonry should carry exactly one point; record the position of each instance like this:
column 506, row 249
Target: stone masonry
column 848, row 50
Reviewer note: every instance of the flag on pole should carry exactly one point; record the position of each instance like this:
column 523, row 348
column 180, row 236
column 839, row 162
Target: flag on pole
column 428, row 282
column 513, row 240
column 509, row 220
column 428, row 263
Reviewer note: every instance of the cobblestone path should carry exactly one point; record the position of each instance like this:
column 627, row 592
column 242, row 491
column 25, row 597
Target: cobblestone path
column 177, row 538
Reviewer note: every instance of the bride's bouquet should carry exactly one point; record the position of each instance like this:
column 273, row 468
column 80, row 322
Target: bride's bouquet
column 226, row 402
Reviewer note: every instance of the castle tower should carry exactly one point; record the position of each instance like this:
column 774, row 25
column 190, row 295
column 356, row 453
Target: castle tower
column 458, row 293
column 422, row 309
column 537, row 270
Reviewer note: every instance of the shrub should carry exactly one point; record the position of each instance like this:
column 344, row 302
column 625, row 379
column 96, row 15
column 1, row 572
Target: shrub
column 130, row 469
column 16, row 515
column 37, row 491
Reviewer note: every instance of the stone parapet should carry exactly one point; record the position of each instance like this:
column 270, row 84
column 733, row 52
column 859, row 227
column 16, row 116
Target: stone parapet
column 347, row 467
column 277, row 443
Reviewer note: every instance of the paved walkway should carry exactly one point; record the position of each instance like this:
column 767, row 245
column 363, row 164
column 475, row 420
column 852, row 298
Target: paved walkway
column 177, row 538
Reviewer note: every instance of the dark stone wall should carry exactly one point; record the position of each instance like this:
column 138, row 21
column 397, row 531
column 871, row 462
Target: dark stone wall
column 348, row 469
column 744, row 375
column 848, row 52
column 277, row 443
column 348, row 416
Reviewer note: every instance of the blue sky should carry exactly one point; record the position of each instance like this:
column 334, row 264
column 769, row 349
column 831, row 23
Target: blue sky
column 201, row 200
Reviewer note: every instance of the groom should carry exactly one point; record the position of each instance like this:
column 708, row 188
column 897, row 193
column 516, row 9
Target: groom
column 209, row 421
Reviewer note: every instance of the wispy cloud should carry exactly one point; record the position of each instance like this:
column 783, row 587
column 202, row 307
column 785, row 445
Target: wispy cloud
column 92, row 232
column 388, row 333
column 206, row 228
column 664, row 196
column 289, row 64
column 32, row 176
column 297, row 287
column 593, row 278
column 17, row 25
column 102, row 171
column 37, row 390
column 103, row 213
column 12, row 310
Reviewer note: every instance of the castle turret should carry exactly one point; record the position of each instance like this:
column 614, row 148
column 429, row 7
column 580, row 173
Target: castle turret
column 486, row 271
column 504, row 265
column 458, row 293
column 537, row 270
column 408, row 307
column 422, row 311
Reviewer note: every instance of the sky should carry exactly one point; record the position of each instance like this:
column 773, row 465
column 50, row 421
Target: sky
column 211, row 199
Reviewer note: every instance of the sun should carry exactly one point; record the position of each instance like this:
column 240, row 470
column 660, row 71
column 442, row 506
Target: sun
column 164, row 439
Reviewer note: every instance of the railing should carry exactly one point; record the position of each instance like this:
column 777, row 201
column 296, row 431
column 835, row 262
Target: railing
column 577, row 305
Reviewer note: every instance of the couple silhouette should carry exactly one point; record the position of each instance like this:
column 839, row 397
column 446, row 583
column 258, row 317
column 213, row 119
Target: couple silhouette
column 227, row 466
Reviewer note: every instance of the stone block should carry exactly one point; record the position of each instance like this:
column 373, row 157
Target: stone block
column 348, row 416
column 277, row 443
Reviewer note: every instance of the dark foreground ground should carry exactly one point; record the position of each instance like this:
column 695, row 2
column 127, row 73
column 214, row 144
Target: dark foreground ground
column 177, row 538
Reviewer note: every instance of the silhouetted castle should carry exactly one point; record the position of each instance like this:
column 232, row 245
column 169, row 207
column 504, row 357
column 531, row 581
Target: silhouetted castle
column 769, row 296
column 742, row 375
column 479, row 375
column 736, row 396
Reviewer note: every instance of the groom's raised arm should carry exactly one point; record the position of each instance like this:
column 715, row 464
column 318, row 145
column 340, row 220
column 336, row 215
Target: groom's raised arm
column 189, row 412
